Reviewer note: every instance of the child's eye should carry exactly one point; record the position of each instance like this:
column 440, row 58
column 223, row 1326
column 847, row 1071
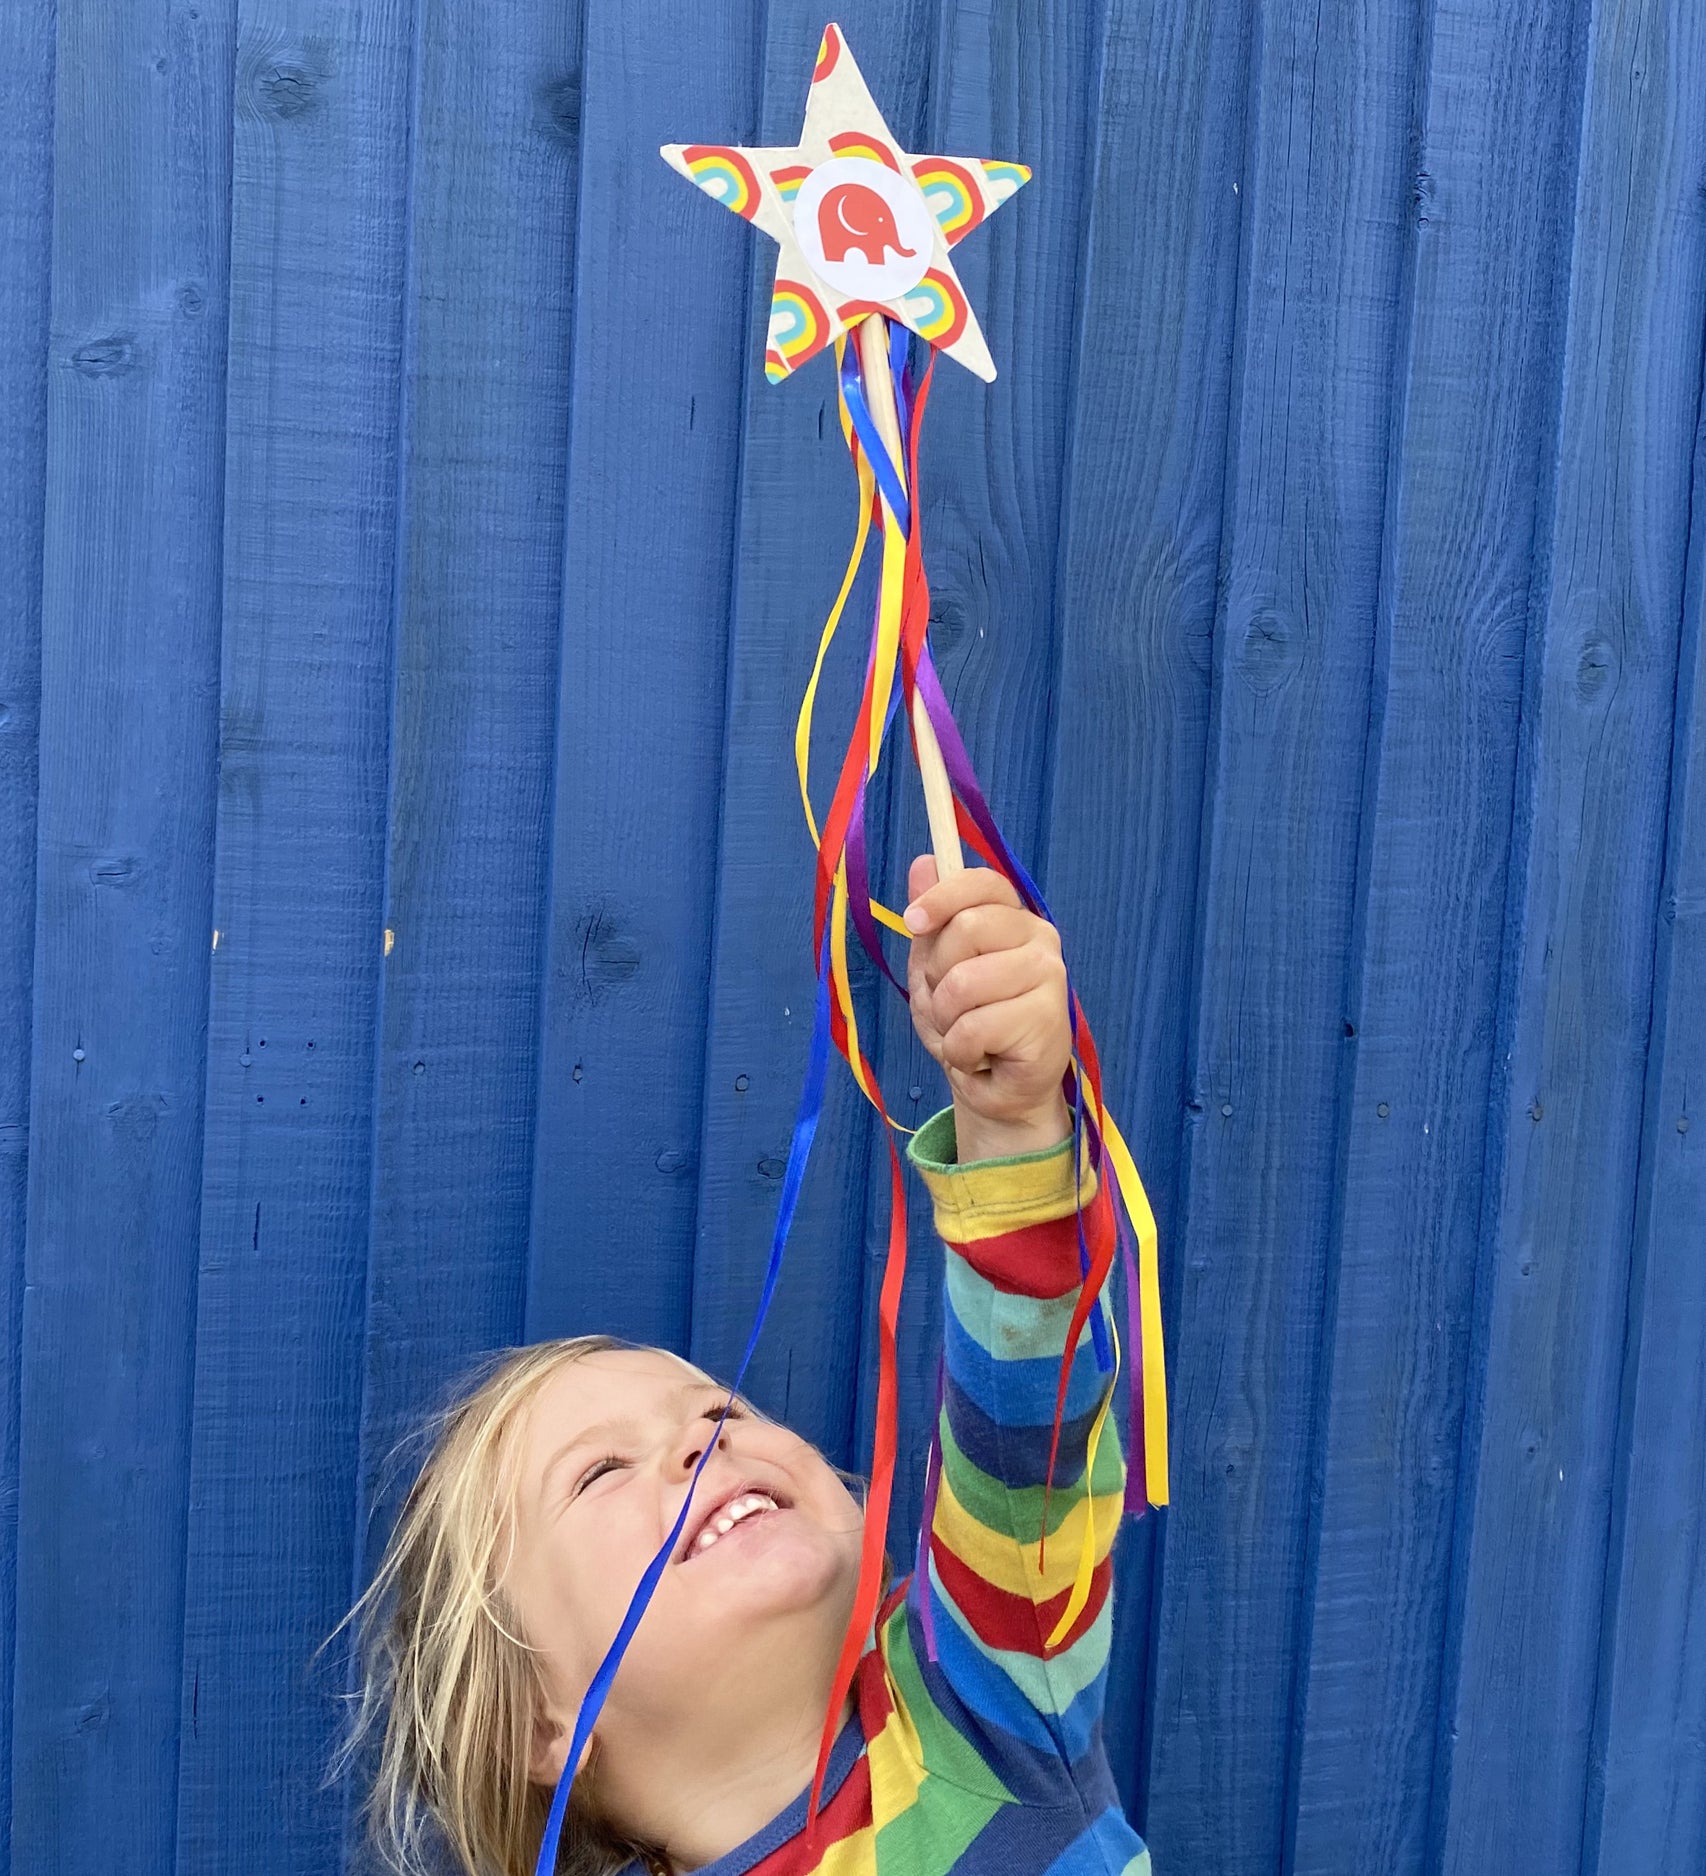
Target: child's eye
column 597, row 1470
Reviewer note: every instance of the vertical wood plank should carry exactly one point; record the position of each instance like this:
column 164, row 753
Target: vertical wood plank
column 793, row 532
column 1498, row 119
column 130, row 652
column 1565, row 1117
column 26, row 239
column 659, row 362
column 1324, row 192
column 1647, row 1776
column 479, row 599
column 321, row 156
column 1140, row 549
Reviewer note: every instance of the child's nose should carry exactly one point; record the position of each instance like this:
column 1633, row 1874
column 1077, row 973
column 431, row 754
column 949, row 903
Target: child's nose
column 693, row 1453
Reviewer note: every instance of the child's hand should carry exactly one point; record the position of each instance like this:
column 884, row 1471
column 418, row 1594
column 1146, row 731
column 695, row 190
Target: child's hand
column 989, row 1002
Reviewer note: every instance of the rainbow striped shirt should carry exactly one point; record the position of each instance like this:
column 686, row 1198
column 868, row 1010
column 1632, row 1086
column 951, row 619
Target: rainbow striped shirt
column 989, row 1758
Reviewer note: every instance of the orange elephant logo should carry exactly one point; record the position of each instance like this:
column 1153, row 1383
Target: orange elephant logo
column 852, row 216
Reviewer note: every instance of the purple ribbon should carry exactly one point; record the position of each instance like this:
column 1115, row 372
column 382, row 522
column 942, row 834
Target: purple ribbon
column 926, row 1523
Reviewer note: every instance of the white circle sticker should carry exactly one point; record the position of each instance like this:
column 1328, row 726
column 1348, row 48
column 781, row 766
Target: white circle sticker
column 865, row 229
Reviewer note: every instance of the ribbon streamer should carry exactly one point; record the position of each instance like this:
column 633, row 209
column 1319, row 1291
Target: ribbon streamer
column 888, row 492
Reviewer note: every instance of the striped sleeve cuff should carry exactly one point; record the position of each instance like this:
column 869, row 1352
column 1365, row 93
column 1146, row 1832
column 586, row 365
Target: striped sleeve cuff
column 1013, row 1220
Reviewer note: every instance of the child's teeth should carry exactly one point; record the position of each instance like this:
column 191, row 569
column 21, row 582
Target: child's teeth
column 742, row 1507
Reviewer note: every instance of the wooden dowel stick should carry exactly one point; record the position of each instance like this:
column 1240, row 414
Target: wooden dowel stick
column 933, row 771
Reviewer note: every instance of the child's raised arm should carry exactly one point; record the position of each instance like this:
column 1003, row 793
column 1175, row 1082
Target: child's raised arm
column 989, row 1001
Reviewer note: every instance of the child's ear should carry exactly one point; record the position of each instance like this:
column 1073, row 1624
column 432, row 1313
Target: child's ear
column 550, row 1746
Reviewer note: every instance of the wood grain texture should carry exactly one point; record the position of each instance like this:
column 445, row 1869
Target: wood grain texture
column 129, row 602
column 1141, row 529
column 1647, row 1771
column 659, row 359
column 1566, row 1116
column 1476, row 373
column 26, row 239
column 321, row 164
column 1325, row 178
column 479, row 597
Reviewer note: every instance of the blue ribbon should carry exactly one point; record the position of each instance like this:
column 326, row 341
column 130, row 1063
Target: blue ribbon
column 1098, row 1328
column 799, row 1152
column 876, row 452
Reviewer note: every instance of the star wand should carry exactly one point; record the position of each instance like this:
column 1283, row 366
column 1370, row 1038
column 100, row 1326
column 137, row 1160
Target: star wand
column 864, row 232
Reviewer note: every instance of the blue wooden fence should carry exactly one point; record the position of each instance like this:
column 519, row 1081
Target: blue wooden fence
column 406, row 581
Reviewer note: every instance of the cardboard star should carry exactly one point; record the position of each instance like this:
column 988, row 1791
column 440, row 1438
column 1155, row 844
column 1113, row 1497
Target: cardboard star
column 862, row 227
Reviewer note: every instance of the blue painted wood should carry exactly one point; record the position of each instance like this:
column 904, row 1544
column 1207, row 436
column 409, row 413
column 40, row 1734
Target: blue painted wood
column 129, row 598
column 491, row 220
column 522, row 572
column 660, row 364
column 320, row 177
column 1141, row 529
column 1647, row 1771
column 1593, row 789
column 1498, row 121
column 26, row 239
column 1325, row 177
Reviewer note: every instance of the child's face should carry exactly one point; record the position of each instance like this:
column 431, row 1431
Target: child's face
column 750, row 1616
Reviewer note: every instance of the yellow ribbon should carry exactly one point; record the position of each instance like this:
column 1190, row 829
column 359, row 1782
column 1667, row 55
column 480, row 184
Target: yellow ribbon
column 1148, row 1311
column 1087, row 1550
column 1154, row 1363
column 803, row 723
column 843, row 987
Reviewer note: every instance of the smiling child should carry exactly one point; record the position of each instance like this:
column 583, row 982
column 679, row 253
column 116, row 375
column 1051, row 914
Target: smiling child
column 971, row 1744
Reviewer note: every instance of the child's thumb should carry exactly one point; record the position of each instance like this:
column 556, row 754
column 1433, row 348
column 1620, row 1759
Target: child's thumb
column 921, row 876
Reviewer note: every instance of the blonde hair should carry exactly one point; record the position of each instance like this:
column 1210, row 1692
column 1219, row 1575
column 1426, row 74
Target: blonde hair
column 443, row 1722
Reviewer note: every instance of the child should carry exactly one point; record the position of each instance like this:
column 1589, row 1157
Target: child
column 550, row 1487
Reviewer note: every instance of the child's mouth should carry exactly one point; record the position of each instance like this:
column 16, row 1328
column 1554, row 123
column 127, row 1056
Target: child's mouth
column 745, row 1508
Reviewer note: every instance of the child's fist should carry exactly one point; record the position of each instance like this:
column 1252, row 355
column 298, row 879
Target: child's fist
column 989, row 1002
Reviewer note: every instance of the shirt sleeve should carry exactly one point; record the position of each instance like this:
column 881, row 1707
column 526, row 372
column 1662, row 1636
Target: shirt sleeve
column 997, row 1590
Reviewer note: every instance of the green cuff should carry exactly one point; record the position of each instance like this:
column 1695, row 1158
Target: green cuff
column 992, row 1197
column 935, row 1149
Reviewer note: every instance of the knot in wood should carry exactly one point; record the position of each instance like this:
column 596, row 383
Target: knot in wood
column 110, row 357
column 287, row 88
column 1270, row 648
column 559, row 108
